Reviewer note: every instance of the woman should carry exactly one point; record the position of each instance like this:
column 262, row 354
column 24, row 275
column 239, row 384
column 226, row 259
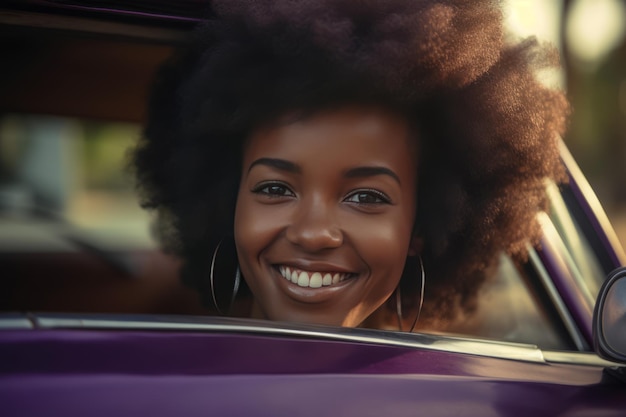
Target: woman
column 330, row 152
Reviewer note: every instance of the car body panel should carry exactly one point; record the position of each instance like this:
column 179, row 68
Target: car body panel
column 107, row 371
column 300, row 395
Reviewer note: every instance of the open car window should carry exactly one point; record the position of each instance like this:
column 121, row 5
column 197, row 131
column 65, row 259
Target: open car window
column 66, row 188
column 515, row 307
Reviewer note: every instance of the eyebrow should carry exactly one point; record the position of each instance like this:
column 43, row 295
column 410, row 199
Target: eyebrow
column 357, row 172
column 371, row 171
column 279, row 164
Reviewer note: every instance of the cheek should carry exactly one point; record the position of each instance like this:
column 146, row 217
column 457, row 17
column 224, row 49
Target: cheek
column 383, row 243
column 256, row 226
column 246, row 229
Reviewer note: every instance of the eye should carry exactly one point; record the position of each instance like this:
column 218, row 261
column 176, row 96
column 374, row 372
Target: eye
column 273, row 189
column 368, row 197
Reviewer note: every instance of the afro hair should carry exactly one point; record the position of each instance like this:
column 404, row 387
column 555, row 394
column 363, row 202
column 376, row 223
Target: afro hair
column 488, row 127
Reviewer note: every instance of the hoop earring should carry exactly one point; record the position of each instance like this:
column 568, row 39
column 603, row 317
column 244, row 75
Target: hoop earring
column 422, row 278
column 212, row 282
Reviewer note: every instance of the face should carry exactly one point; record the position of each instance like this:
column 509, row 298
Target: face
column 324, row 214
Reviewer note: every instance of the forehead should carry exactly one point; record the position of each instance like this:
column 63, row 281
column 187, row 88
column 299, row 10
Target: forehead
column 349, row 133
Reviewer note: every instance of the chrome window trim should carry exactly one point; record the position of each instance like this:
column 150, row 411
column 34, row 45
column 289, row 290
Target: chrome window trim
column 15, row 321
column 485, row 348
column 577, row 358
column 573, row 275
column 589, row 273
column 478, row 347
column 559, row 304
column 613, row 245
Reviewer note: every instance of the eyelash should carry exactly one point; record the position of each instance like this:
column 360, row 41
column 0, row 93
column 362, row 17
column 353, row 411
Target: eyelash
column 378, row 195
column 264, row 189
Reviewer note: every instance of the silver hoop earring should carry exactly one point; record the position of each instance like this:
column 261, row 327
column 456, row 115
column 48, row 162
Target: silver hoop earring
column 399, row 317
column 212, row 282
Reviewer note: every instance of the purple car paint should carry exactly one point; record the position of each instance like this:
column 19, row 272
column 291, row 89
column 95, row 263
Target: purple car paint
column 123, row 373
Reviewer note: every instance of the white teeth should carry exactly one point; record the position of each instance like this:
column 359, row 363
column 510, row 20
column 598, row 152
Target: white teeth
column 327, row 280
column 303, row 279
column 311, row 279
column 316, row 280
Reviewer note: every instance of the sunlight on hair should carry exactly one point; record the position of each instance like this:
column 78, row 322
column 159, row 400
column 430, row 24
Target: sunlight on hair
column 541, row 19
column 594, row 28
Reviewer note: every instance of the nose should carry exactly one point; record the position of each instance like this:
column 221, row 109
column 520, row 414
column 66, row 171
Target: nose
column 313, row 227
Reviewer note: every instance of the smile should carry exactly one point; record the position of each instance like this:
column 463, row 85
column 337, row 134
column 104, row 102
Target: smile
column 312, row 279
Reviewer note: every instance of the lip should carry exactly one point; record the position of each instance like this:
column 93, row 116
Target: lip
column 313, row 295
column 313, row 279
column 316, row 267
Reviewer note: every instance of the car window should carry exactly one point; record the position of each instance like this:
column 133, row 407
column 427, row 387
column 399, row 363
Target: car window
column 73, row 170
column 549, row 300
column 535, row 303
column 514, row 307
column 59, row 170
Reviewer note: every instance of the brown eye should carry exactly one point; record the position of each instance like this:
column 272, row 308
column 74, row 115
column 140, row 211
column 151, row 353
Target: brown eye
column 368, row 197
column 273, row 190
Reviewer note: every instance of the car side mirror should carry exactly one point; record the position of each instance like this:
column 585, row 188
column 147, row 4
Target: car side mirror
column 609, row 318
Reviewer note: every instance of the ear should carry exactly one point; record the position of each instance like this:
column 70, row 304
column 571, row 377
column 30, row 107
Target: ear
column 416, row 245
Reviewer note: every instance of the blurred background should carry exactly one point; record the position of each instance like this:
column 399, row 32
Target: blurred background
column 73, row 83
column 590, row 35
column 75, row 165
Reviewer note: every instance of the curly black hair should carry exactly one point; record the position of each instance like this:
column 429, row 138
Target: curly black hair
column 488, row 128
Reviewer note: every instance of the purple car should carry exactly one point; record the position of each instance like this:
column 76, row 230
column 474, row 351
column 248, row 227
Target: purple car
column 548, row 339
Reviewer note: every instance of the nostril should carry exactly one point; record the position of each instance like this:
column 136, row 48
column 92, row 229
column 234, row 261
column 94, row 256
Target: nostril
column 313, row 226
column 314, row 237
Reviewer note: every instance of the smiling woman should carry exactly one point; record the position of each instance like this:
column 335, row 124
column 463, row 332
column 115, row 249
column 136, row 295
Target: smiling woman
column 330, row 152
column 324, row 214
